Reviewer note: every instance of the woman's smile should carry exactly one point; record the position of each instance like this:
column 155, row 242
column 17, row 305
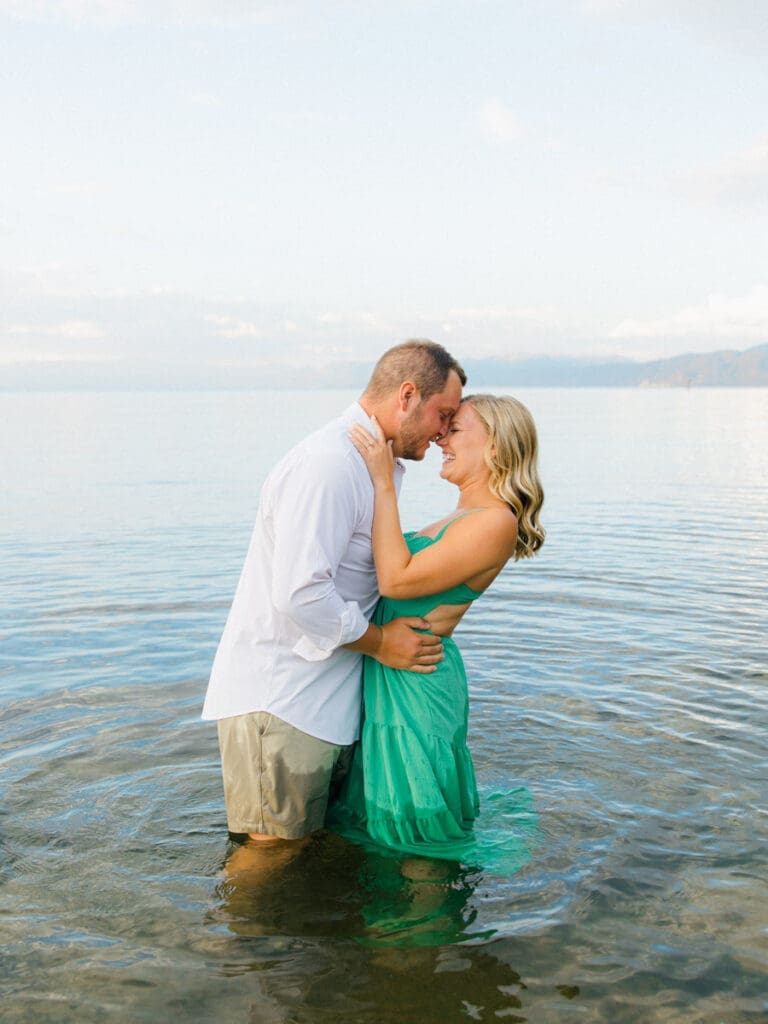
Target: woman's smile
column 465, row 441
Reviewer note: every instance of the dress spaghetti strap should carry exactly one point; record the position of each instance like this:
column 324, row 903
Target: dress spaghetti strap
column 461, row 515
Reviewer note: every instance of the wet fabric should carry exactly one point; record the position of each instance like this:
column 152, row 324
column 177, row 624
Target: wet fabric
column 412, row 788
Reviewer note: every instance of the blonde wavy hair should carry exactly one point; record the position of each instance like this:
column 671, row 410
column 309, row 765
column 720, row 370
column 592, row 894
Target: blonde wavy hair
column 510, row 454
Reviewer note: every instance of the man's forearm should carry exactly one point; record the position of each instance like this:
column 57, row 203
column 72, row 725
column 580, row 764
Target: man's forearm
column 402, row 643
column 369, row 643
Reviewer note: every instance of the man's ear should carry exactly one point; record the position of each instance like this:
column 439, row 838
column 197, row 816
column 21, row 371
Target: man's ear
column 407, row 395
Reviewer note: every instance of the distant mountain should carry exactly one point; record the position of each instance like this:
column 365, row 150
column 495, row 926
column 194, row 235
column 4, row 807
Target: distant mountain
column 712, row 369
column 715, row 369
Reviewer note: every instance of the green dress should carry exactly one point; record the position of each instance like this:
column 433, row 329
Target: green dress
column 411, row 787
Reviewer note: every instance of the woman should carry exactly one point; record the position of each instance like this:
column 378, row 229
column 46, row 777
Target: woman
column 411, row 787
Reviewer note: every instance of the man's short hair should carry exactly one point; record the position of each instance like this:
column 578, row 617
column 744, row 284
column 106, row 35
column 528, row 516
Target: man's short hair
column 424, row 362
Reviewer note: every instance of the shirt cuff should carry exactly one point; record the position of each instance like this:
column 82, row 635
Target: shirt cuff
column 351, row 627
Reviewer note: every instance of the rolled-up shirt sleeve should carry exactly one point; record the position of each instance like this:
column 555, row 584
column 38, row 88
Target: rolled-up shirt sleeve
column 315, row 511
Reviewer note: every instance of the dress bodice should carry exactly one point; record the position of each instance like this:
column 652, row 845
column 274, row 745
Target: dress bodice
column 390, row 608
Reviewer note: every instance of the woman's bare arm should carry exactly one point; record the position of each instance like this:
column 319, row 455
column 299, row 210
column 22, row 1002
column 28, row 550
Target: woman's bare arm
column 474, row 548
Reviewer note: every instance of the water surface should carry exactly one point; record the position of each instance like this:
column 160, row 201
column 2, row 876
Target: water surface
column 621, row 677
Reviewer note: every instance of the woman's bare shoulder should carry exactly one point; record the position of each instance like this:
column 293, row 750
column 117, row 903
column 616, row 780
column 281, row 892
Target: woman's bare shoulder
column 499, row 520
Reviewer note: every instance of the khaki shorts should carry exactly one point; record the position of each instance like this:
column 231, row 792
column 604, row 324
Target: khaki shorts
column 277, row 779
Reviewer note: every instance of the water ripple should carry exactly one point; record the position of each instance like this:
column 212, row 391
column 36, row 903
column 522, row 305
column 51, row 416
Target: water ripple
column 620, row 677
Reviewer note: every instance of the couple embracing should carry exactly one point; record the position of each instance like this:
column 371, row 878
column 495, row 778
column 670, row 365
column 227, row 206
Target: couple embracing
column 339, row 618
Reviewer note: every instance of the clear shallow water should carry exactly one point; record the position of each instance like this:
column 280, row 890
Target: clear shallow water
column 621, row 677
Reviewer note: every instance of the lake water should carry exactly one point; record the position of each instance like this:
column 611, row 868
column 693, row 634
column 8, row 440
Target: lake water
column 620, row 676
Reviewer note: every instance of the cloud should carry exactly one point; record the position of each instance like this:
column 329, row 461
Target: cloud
column 741, row 178
column 477, row 331
column 509, row 316
column 86, row 329
column 488, row 331
column 499, row 122
column 184, row 336
column 739, row 25
column 234, row 327
column 15, row 356
column 354, row 320
column 207, row 100
column 599, row 7
column 306, row 336
column 719, row 317
column 68, row 341
column 75, row 188
column 231, row 327
column 119, row 13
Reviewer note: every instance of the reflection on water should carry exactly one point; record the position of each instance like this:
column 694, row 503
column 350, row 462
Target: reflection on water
column 389, row 932
column 330, row 887
column 620, row 679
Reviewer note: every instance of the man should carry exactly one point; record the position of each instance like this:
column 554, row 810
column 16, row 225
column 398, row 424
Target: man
column 286, row 681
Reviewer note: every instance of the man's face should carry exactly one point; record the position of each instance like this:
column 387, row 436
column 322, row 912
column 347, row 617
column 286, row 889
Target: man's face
column 426, row 421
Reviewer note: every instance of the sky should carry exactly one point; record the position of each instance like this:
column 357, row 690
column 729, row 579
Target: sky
column 191, row 190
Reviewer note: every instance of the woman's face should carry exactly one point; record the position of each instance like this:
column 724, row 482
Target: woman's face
column 463, row 447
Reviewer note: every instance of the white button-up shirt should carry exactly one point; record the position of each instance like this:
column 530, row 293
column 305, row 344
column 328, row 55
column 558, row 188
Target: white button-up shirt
column 307, row 587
